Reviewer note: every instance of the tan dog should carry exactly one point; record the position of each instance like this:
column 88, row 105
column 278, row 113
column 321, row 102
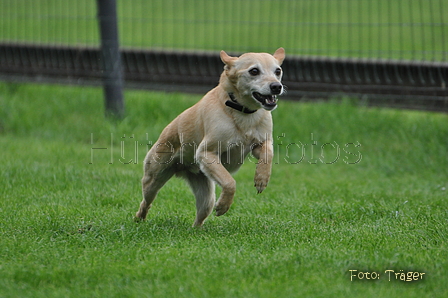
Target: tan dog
column 210, row 140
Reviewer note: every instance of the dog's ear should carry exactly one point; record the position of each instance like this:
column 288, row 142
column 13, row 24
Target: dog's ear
column 226, row 59
column 280, row 55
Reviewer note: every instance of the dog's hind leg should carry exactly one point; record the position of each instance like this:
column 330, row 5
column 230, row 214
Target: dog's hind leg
column 204, row 191
column 152, row 182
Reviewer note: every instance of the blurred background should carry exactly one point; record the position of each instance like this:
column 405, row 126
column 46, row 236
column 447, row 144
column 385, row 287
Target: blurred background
column 389, row 52
column 385, row 29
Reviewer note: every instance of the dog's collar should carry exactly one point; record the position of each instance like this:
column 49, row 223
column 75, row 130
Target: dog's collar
column 235, row 105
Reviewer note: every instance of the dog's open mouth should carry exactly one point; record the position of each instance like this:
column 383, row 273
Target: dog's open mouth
column 268, row 101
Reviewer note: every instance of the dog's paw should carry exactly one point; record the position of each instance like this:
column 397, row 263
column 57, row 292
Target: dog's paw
column 260, row 188
column 260, row 183
column 138, row 219
column 221, row 209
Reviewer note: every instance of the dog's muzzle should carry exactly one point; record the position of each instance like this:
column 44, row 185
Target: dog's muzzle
column 269, row 101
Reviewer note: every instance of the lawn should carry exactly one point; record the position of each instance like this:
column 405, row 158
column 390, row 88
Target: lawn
column 353, row 188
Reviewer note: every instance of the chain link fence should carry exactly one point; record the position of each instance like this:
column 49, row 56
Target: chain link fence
column 342, row 45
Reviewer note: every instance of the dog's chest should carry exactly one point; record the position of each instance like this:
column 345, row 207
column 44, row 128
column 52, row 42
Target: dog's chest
column 249, row 131
column 247, row 137
column 254, row 136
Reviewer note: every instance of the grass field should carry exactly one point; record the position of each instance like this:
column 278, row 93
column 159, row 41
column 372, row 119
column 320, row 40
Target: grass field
column 67, row 229
column 388, row 29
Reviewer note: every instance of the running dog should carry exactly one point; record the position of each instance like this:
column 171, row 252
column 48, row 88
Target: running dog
column 210, row 140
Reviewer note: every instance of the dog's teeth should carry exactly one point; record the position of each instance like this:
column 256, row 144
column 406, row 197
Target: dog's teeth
column 271, row 99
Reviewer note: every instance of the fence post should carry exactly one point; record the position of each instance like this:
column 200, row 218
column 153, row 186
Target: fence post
column 111, row 60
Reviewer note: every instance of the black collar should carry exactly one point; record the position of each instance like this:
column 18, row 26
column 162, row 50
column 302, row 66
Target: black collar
column 235, row 105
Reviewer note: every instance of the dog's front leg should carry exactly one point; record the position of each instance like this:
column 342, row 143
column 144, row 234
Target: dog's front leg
column 210, row 164
column 264, row 153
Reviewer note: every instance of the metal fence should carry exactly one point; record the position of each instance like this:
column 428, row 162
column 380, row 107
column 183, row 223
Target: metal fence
column 391, row 52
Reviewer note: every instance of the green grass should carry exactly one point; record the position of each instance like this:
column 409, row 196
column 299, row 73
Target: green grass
column 67, row 226
column 388, row 29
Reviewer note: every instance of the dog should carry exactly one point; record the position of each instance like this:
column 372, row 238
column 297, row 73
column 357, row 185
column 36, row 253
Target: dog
column 210, row 140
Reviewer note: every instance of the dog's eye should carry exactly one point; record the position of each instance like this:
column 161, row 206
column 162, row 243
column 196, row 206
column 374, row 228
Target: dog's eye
column 254, row 71
column 278, row 72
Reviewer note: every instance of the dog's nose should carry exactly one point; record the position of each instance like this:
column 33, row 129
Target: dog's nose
column 276, row 88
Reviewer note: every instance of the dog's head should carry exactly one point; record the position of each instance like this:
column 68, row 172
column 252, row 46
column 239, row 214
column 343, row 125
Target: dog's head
column 254, row 78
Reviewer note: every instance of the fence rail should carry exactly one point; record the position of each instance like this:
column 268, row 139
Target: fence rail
column 408, row 84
